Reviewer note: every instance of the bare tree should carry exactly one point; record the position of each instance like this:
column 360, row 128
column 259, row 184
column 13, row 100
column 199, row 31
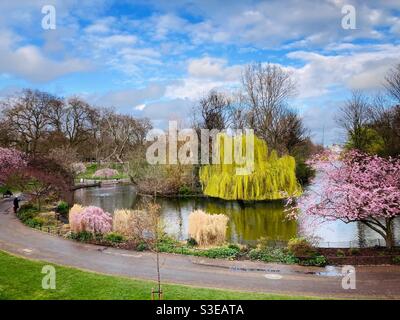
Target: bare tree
column 264, row 101
column 392, row 83
column 78, row 121
column 27, row 116
column 353, row 116
column 215, row 111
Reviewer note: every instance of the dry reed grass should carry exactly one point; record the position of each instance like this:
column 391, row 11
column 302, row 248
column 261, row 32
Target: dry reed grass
column 74, row 224
column 207, row 229
column 130, row 223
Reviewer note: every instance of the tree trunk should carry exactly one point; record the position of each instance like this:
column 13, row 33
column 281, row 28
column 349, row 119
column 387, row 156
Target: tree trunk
column 390, row 241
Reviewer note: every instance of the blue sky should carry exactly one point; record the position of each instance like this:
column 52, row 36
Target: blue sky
column 156, row 58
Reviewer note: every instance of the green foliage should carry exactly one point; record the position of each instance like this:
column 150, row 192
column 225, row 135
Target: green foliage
column 396, row 260
column 27, row 211
column 340, row 253
column 273, row 255
column 141, row 246
column 300, row 247
column 220, row 252
column 114, row 237
column 169, row 244
column 35, row 222
column 367, row 140
column 234, row 246
column 62, row 208
column 191, row 242
column 83, row 236
column 354, row 251
column 304, row 172
column 184, row 190
column 316, row 260
column 272, row 177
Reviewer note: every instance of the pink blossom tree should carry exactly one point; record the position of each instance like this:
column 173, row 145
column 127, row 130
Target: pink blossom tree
column 105, row 173
column 94, row 220
column 355, row 187
column 11, row 161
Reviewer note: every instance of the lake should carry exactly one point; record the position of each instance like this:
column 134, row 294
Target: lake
column 247, row 221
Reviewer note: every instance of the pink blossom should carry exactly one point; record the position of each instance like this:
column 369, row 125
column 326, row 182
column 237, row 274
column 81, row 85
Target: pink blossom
column 105, row 173
column 11, row 161
column 353, row 187
column 94, row 220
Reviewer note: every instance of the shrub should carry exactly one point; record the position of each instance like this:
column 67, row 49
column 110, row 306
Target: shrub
column 273, row 255
column 105, row 173
column 74, row 220
column 83, row 236
column 221, row 252
column 62, row 208
column 35, row 222
column 184, row 190
column 130, row 223
column 114, row 237
column 317, row 260
column 141, row 246
column 234, row 246
column 191, row 242
column 396, row 260
column 94, row 220
column 354, row 251
column 207, row 229
column 27, row 211
column 340, row 253
column 301, row 247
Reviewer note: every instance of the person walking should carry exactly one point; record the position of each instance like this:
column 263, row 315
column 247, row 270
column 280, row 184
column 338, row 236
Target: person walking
column 16, row 204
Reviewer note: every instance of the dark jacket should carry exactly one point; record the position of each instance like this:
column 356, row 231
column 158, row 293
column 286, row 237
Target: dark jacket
column 16, row 203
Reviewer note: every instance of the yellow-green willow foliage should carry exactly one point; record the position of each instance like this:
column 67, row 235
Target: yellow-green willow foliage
column 272, row 177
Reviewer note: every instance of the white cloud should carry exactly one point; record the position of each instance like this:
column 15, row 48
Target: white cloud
column 127, row 99
column 357, row 70
column 213, row 68
column 140, row 107
column 29, row 62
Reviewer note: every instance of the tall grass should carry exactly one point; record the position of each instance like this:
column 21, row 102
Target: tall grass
column 74, row 223
column 207, row 229
column 130, row 223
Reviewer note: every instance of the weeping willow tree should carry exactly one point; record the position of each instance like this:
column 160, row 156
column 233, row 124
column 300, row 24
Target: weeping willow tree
column 272, row 177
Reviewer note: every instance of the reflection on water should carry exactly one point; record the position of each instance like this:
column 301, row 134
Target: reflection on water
column 247, row 221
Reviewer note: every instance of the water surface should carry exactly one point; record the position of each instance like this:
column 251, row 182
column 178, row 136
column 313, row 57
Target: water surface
column 248, row 222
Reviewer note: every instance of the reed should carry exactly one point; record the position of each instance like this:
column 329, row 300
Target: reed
column 207, row 229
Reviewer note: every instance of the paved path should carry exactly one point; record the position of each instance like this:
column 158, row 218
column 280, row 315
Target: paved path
column 372, row 282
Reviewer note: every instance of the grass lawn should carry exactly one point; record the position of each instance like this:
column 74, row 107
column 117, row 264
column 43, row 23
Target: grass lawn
column 21, row 278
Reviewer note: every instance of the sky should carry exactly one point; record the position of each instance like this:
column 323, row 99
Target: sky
column 157, row 58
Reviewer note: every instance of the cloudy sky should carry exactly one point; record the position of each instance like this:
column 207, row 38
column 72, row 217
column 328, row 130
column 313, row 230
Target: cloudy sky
column 156, row 58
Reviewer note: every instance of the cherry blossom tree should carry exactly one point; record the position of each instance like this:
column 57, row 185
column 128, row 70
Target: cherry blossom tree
column 94, row 220
column 11, row 161
column 354, row 187
column 43, row 177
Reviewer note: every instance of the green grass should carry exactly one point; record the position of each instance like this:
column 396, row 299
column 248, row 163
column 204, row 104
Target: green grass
column 21, row 278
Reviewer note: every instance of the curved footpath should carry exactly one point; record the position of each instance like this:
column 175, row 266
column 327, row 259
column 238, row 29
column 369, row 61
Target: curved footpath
column 372, row 282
